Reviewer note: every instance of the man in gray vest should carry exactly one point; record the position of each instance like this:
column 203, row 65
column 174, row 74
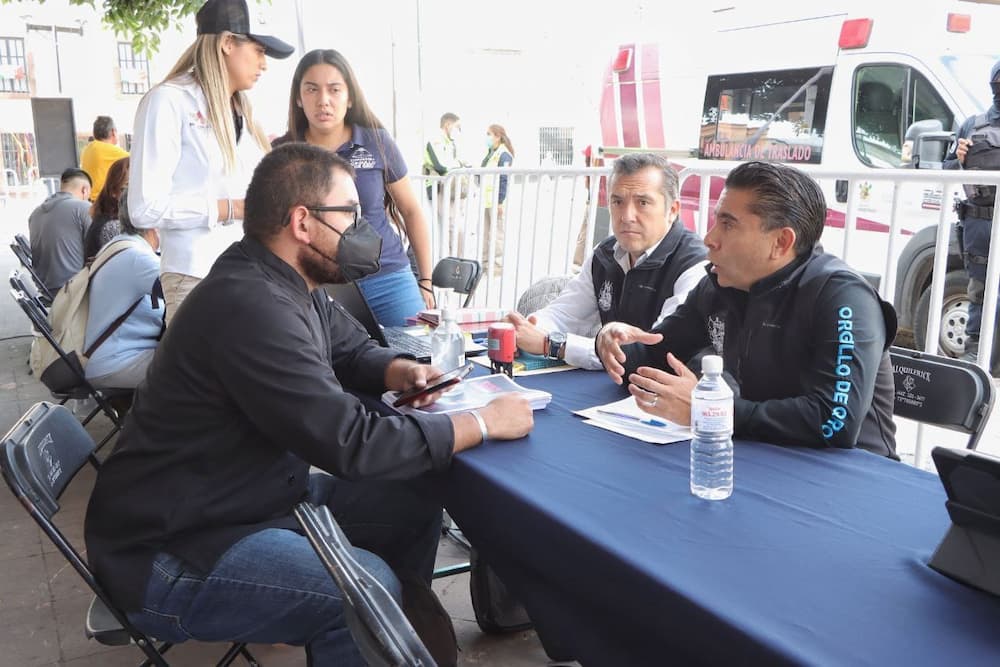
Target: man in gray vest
column 639, row 275
column 57, row 228
column 978, row 147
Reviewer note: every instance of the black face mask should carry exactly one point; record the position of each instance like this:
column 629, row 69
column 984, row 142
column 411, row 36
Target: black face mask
column 358, row 252
column 995, row 87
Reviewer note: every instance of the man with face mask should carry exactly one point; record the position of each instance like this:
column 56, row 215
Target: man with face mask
column 441, row 153
column 190, row 523
column 440, row 157
column 978, row 147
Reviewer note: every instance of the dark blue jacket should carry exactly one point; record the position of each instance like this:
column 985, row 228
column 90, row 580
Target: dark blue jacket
column 808, row 350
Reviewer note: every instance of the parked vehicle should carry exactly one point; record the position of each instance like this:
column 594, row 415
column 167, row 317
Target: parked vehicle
column 839, row 88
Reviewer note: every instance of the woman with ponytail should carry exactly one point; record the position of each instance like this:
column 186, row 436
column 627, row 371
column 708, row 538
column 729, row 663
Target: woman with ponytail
column 499, row 153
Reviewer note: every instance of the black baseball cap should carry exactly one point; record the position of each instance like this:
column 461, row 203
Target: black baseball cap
column 216, row 16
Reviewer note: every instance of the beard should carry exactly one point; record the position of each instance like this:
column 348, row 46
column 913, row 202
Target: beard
column 319, row 269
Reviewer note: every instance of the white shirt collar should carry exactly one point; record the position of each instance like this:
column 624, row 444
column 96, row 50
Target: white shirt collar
column 621, row 254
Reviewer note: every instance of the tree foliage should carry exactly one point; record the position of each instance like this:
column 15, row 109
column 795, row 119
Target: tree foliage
column 142, row 21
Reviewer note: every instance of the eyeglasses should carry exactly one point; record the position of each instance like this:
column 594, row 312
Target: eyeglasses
column 349, row 208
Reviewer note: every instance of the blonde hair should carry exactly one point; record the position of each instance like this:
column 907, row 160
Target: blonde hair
column 205, row 61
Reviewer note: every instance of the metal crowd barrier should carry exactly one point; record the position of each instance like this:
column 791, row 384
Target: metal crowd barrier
column 546, row 209
column 544, row 214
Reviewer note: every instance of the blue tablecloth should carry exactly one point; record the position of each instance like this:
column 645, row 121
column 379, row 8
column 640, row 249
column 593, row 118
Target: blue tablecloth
column 819, row 557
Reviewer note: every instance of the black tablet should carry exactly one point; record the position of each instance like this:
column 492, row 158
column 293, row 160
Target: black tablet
column 435, row 384
column 972, row 482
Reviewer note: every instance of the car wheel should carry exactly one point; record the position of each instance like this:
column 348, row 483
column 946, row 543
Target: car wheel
column 954, row 315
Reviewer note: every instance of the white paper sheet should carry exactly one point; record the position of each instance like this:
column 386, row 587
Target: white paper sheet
column 659, row 435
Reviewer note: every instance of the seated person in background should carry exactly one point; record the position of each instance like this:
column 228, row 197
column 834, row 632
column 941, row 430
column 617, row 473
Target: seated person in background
column 190, row 526
column 639, row 275
column 56, row 230
column 123, row 288
column 104, row 212
column 804, row 337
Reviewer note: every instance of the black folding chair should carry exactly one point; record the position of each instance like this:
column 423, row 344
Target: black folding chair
column 460, row 275
column 378, row 625
column 79, row 387
column 24, row 256
column 23, row 242
column 18, row 282
column 41, row 455
column 942, row 391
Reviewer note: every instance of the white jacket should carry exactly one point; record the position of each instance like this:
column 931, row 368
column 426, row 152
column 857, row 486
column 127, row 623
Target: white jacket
column 177, row 176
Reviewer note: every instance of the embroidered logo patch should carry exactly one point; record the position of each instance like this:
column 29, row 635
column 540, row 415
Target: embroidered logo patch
column 717, row 332
column 53, row 468
column 604, row 297
column 362, row 159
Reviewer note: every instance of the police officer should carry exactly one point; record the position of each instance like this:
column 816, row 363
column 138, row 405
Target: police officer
column 978, row 147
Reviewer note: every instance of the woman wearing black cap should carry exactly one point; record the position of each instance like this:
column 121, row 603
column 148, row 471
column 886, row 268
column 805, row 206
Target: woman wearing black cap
column 196, row 145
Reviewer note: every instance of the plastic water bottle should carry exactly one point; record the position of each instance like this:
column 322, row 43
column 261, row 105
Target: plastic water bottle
column 712, row 428
column 447, row 342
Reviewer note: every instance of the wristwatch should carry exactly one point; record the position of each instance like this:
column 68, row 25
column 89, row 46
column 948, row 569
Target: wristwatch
column 555, row 344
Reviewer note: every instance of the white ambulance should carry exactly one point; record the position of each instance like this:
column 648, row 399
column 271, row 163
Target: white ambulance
column 837, row 88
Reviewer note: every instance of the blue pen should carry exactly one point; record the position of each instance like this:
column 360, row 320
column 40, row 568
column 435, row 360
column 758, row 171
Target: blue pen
column 622, row 415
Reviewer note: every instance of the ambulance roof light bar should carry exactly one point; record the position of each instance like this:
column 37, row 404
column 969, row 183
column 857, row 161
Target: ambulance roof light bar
column 854, row 33
column 959, row 22
column 623, row 61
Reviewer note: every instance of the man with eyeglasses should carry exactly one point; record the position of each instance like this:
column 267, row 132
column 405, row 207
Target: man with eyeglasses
column 190, row 524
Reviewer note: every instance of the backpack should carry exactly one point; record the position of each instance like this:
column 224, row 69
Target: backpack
column 497, row 610
column 68, row 318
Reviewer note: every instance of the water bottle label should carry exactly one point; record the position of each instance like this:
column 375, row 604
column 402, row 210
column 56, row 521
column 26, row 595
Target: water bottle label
column 710, row 418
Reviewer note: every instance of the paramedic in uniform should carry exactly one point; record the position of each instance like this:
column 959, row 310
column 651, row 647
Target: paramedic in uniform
column 978, row 147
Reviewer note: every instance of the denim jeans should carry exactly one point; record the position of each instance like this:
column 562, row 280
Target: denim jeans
column 270, row 587
column 392, row 297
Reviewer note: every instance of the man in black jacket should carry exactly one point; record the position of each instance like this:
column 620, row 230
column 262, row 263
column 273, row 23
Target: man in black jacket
column 805, row 338
column 190, row 524
column 638, row 275
column 978, row 147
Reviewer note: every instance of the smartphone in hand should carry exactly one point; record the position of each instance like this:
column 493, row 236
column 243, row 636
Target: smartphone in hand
column 433, row 385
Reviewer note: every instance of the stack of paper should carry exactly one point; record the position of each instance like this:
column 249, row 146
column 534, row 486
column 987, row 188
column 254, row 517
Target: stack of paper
column 476, row 393
column 626, row 418
column 465, row 315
